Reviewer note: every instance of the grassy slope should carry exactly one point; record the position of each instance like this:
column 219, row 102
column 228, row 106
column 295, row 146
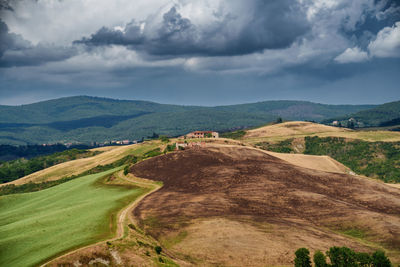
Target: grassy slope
column 87, row 119
column 37, row 226
column 75, row 167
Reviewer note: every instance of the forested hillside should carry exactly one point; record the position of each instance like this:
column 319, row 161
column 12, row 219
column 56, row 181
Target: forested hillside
column 87, row 119
column 381, row 116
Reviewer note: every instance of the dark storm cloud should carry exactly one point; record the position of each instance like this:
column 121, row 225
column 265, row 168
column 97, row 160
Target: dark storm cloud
column 273, row 25
column 16, row 51
column 10, row 40
column 384, row 14
column 5, row 5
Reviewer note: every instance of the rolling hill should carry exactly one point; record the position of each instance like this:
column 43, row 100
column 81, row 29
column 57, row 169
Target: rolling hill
column 226, row 203
column 87, row 119
column 79, row 212
column 371, row 153
column 385, row 115
column 237, row 206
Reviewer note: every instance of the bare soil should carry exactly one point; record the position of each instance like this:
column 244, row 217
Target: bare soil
column 239, row 206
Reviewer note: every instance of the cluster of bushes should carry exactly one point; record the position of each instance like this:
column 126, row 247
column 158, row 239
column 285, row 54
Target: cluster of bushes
column 341, row 257
column 152, row 153
column 374, row 159
column 12, row 170
column 169, row 148
column 233, row 135
column 281, row 147
column 164, row 138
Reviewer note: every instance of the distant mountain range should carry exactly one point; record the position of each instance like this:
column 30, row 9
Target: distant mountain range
column 386, row 115
column 87, row 119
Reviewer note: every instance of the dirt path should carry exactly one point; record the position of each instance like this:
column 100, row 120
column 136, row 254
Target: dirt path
column 122, row 214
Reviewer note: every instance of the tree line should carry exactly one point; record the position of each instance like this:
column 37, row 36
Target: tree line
column 15, row 169
column 341, row 257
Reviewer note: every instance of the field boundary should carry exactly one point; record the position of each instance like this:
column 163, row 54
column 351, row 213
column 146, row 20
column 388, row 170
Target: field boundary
column 122, row 215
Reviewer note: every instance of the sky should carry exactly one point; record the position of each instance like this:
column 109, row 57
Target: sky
column 209, row 52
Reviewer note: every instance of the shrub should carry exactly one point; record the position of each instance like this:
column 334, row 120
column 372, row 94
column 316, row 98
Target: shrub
column 153, row 153
column 126, row 170
column 233, row 135
column 302, row 258
column 170, row 148
column 164, row 138
column 158, row 249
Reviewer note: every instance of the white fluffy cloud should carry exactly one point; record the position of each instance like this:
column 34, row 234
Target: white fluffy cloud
column 352, row 55
column 387, row 42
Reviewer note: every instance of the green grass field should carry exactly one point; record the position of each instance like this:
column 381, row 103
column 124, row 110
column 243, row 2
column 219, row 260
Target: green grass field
column 39, row 225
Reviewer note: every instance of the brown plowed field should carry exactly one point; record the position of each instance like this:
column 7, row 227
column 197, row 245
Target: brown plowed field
column 238, row 206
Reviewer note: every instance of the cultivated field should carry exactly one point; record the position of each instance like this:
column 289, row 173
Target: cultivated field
column 232, row 205
column 227, row 203
column 37, row 226
column 132, row 247
column 75, row 167
column 319, row 163
column 296, row 129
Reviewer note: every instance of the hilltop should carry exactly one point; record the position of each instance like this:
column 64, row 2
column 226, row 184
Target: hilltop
column 297, row 129
column 92, row 119
column 221, row 204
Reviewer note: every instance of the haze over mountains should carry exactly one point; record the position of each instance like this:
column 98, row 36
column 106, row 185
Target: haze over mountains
column 92, row 119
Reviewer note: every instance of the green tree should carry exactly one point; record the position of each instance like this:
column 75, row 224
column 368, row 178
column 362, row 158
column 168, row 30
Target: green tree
column 164, row 138
column 320, row 259
column 279, row 120
column 302, row 258
column 342, row 257
column 363, row 259
column 379, row 259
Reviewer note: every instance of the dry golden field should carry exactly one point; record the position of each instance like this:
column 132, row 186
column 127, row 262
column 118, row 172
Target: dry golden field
column 297, row 129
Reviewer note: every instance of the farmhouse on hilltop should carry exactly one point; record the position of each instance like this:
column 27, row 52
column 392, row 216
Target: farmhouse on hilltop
column 202, row 134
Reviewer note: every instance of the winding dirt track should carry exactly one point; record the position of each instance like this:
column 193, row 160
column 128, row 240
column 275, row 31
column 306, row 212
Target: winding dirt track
column 121, row 216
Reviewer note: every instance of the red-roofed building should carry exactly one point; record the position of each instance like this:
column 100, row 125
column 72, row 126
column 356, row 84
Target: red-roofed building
column 202, row 134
